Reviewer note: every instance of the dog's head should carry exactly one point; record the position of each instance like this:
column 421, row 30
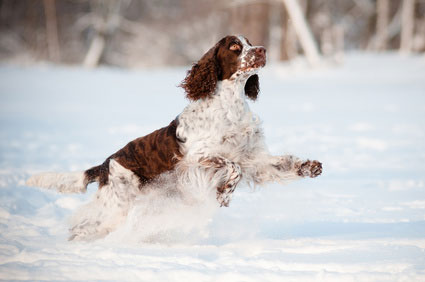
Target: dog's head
column 233, row 58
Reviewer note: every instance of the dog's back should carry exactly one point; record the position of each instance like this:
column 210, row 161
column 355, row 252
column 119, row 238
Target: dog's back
column 147, row 157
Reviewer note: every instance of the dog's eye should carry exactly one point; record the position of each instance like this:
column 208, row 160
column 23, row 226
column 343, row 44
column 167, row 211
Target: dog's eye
column 235, row 47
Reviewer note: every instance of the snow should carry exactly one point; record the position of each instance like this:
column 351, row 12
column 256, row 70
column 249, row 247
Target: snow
column 362, row 220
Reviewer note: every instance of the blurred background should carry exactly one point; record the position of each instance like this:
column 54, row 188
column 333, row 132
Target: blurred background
column 145, row 33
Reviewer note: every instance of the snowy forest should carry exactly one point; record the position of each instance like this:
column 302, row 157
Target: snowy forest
column 344, row 84
column 136, row 33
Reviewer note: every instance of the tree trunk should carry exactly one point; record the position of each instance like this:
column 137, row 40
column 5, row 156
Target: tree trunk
column 407, row 24
column 288, row 44
column 303, row 32
column 383, row 15
column 51, row 30
column 95, row 51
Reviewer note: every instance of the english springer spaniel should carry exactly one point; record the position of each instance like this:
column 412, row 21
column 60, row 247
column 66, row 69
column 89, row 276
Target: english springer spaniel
column 215, row 143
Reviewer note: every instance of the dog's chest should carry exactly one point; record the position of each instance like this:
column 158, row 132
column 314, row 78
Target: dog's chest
column 222, row 125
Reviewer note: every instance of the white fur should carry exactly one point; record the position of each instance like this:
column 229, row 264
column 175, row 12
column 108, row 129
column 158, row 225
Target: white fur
column 67, row 182
column 173, row 205
column 173, row 208
column 224, row 126
column 245, row 59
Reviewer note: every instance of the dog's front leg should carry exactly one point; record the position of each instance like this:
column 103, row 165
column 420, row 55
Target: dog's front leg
column 283, row 168
column 230, row 174
column 297, row 166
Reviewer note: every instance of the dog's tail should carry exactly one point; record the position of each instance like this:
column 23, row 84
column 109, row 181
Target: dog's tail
column 68, row 182
column 71, row 182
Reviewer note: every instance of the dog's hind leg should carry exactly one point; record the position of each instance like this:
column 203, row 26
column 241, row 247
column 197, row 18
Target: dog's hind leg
column 110, row 206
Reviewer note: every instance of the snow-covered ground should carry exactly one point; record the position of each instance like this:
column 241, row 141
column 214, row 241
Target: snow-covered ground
column 362, row 220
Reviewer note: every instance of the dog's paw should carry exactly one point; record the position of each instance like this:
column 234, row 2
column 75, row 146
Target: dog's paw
column 224, row 195
column 310, row 169
column 223, row 199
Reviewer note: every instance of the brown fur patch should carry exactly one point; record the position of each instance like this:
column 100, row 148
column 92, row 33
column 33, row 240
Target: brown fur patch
column 147, row 156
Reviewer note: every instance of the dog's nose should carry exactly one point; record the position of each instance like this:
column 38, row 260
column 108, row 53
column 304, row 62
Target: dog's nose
column 260, row 51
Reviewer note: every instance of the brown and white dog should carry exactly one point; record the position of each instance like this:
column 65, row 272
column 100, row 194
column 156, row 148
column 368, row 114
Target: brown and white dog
column 214, row 144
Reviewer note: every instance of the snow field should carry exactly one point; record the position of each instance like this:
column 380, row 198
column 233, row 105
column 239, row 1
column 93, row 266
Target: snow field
column 362, row 220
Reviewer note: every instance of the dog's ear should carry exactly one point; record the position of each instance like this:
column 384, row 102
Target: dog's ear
column 252, row 87
column 201, row 80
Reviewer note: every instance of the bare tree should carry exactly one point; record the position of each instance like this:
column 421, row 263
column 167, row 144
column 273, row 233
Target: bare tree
column 303, row 31
column 288, row 45
column 105, row 19
column 407, row 25
column 382, row 21
column 52, row 30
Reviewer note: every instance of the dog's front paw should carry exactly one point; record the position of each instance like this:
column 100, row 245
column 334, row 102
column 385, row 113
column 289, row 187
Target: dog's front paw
column 223, row 198
column 310, row 168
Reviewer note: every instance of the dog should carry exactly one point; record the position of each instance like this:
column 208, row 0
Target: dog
column 215, row 143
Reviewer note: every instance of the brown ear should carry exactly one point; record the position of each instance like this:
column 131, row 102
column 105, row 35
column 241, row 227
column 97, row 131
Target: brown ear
column 252, row 87
column 201, row 80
